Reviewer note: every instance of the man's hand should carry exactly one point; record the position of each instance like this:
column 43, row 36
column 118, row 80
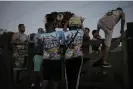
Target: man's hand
column 82, row 19
column 122, row 31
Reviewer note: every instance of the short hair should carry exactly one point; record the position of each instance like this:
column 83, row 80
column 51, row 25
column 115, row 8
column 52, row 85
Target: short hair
column 119, row 8
column 87, row 29
column 40, row 30
column 94, row 31
column 20, row 25
column 47, row 28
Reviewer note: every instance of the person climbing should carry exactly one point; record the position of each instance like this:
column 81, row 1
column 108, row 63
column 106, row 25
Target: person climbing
column 107, row 24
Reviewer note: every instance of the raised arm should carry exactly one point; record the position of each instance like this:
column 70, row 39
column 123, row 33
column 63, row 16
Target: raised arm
column 65, row 26
column 122, row 23
column 82, row 26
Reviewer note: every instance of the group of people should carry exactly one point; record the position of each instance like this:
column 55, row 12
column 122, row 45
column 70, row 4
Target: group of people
column 48, row 52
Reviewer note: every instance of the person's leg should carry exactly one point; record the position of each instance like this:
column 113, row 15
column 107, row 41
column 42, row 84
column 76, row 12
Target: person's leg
column 55, row 84
column 105, row 47
column 55, row 73
column 45, row 84
column 107, row 43
column 38, row 80
column 46, row 73
column 32, row 78
column 73, row 67
column 37, row 67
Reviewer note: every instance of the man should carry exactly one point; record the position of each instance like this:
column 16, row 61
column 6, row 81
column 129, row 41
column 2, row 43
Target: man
column 20, row 36
column 107, row 23
column 38, row 52
column 74, row 55
column 21, row 65
column 96, row 48
column 85, row 45
column 51, row 66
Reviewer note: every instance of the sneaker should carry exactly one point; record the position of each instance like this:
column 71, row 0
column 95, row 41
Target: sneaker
column 106, row 65
column 32, row 85
column 98, row 63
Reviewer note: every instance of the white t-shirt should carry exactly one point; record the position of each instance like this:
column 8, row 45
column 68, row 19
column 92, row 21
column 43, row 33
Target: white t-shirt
column 60, row 29
column 111, row 18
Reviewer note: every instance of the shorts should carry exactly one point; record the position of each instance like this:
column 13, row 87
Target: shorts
column 108, row 33
column 51, row 70
column 37, row 62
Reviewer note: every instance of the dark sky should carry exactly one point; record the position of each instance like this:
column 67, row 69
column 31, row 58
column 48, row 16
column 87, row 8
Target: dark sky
column 32, row 13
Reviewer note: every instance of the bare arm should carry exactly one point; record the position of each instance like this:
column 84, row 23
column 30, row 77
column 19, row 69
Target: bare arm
column 65, row 25
column 14, row 37
column 98, row 29
column 122, row 23
column 82, row 26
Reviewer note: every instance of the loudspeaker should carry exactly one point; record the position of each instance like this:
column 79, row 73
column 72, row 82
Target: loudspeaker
column 129, row 42
column 129, row 29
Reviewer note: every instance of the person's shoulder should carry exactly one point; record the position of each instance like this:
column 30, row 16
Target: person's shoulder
column 15, row 34
column 58, row 29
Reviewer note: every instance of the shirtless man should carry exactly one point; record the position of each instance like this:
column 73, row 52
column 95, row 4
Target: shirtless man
column 20, row 36
column 107, row 24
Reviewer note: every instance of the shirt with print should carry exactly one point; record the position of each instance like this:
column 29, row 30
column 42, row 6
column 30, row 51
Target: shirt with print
column 111, row 18
column 75, row 48
column 51, row 45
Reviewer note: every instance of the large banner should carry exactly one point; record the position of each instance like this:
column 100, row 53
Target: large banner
column 20, row 53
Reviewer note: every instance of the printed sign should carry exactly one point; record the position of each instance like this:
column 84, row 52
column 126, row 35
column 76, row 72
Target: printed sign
column 20, row 53
column 75, row 21
column 51, row 45
column 75, row 49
